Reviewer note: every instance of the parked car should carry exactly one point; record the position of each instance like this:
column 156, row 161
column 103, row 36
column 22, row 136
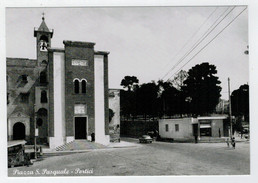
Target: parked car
column 145, row 139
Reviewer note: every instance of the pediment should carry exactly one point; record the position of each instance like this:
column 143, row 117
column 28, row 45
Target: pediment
column 19, row 115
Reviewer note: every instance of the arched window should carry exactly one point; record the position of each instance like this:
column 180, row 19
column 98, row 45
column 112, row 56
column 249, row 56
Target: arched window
column 43, row 97
column 44, row 62
column 76, row 86
column 43, row 77
column 44, row 38
column 42, row 112
column 39, row 122
column 83, row 86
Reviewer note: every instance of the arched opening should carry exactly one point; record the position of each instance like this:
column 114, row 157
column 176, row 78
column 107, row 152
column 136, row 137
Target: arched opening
column 44, row 62
column 43, row 77
column 83, row 86
column 43, row 98
column 43, row 43
column 76, row 86
column 18, row 131
column 42, row 112
column 43, row 38
column 42, row 125
column 39, row 122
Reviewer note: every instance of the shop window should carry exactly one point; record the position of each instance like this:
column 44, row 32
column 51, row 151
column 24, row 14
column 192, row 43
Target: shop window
column 43, row 97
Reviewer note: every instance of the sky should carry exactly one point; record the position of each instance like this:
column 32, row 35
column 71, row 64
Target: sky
column 145, row 42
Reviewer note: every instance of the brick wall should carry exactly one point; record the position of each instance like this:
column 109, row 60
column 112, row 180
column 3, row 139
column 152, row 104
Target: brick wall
column 85, row 51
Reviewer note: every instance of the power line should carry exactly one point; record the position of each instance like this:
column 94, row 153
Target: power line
column 191, row 37
column 210, row 41
column 205, row 35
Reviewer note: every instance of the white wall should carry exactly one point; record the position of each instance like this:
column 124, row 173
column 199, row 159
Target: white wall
column 59, row 101
column 185, row 128
column 100, row 136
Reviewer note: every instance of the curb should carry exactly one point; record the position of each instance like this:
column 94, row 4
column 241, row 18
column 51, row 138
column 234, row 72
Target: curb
column 60, row 153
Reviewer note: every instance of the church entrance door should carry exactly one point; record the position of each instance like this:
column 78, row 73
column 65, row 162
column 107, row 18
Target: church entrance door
column 18, row 131
column 80, row 127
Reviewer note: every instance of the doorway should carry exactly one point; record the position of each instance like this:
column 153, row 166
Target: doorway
column 195, row 130
column 18, row 131
column 80, row 127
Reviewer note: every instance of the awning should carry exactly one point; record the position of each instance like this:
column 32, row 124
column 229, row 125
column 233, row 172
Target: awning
column 205, row 126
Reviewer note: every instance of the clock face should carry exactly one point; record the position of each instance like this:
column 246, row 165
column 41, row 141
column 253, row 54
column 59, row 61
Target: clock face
column 43, row 45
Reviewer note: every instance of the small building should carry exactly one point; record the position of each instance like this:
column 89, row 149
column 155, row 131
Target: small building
column 178, row 129
column 213, row 126
column 188, row 128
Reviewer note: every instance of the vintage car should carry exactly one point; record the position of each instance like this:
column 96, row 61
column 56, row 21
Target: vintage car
column 16, row 153
column 145, row 139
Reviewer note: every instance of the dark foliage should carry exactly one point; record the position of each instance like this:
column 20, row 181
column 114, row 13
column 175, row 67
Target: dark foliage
column 129, row 82
column 240, row 101
column 202, row 88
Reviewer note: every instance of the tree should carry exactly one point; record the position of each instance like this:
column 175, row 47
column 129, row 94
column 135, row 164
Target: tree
column 178, row 80
column 240, row 102
column 146, row 99
column 127, row 103
column 129, row 82
column 202, row 88
column 171, row 99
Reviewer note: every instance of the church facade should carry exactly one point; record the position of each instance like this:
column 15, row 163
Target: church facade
column 60, row 96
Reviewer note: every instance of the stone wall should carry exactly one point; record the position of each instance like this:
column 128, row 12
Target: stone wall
column 114, row 124
column 137, row 128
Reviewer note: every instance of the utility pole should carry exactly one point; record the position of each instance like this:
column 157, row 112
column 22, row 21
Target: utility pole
column 35, row 135
column 230, row 112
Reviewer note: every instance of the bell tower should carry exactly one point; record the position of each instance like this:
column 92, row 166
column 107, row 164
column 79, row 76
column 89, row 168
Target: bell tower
column 43, row 40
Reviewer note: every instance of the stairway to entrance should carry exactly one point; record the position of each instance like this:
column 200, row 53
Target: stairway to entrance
column 80, row 145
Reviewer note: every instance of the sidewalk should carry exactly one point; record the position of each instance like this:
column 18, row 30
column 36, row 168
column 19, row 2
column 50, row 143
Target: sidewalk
column 123, row 144
column 91, row 147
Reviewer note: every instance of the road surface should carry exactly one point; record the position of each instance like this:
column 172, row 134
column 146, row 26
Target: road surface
column 158, row 158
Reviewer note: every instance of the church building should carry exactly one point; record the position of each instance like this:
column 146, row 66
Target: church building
column 60, row 96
